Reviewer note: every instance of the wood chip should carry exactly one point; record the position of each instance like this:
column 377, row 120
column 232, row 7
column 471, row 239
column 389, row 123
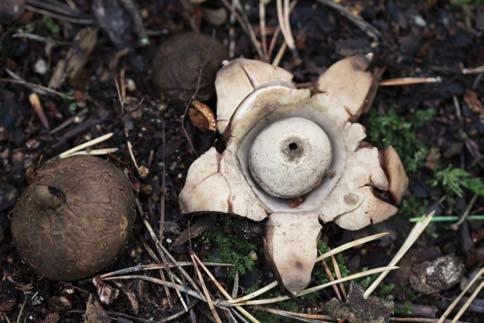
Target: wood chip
column 473, row 102
column 76, row 57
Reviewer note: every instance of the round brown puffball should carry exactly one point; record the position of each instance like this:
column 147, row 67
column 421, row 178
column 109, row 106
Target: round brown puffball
column 10, row 10
column 74, row 219
column 178, row 61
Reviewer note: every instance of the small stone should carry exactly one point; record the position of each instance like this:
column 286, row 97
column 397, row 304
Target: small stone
column 434, row 276
column 419, row 21
column 130, row 85
column 41, row 67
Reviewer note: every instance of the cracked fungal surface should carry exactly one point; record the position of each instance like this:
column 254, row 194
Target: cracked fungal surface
column 74, row 219
column 295, row 160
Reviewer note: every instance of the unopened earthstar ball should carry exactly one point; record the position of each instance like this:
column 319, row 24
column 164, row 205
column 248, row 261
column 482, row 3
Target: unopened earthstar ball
column 74, row 219
column 186, row 64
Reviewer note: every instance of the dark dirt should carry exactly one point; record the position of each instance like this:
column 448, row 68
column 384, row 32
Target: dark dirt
column 418, row 38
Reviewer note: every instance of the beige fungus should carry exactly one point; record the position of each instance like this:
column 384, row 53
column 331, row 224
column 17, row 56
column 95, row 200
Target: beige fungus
column 295, row 160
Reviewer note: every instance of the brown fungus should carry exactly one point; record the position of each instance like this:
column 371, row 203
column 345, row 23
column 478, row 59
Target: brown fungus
column 186, row 64
column 285, row 145
column 74, row 219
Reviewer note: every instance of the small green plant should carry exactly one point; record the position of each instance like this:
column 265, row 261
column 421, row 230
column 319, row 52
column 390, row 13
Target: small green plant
column 412, row 206
column 319, row 275
column 382, row 290
column 456, row 180
column 400, row 132
column 231, row 250
column 51, row 25
column 406, row 309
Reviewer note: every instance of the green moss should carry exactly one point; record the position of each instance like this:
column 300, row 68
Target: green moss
column 400, row 132
column 412, row 206
column 406, row 309
column 231, row 250
column 456, row 180
column 383, row 289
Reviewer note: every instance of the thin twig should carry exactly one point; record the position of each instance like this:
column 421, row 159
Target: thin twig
column 161, row 272
column 409, row 81
column 262, row 25
column 244, row 23
column 40, row 89
column 22, row 308
column 283, row 13
column 215, row 315
column 279, row 55
column 357, row 21
column 464, row 216
column 150, row 267
column 168, row 284
column 163, row 182
column 473, row 70
column 337, row 271
column 72, row 20
column 331, row 278
column 163, row 253
column 38, row 38
column 194, row 95
column 162, row 250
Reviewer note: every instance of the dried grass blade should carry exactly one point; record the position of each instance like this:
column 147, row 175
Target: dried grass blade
column 157, row 281
column 215, row 315
column 224, row 292
column 319, row 287
column 414, row 234
column 337, row 271
column 350, row 245
column 256, row 293
column 85, row 145
column 458, row 298
column 468, row 303
column 163, row 250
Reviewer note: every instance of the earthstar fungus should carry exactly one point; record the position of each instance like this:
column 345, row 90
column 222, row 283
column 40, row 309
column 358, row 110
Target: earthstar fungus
column 75, row 218
column 295, row 159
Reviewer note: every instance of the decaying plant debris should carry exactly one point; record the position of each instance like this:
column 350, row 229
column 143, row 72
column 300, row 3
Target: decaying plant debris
column 78, row 77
